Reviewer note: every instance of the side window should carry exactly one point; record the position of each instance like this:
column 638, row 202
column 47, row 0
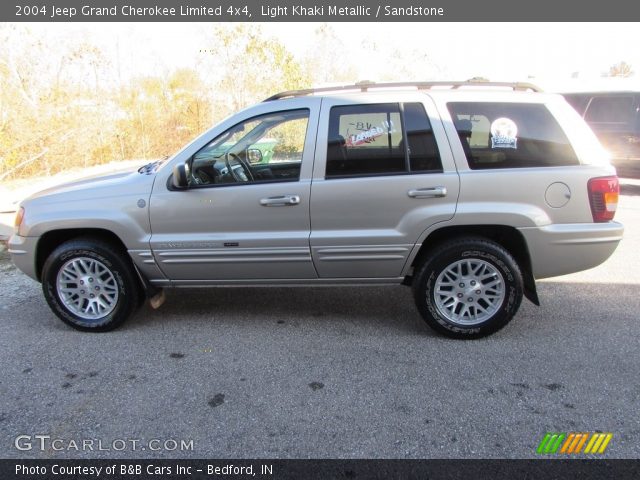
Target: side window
column 365, row 139
column 370, row 140
column 262, row 149
column 610, row 110
column 510, row 135
column 423, row 152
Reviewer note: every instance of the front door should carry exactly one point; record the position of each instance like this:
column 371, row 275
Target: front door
column 245, row 215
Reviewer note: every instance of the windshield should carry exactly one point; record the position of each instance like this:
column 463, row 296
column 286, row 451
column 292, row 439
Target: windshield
column 252, row 133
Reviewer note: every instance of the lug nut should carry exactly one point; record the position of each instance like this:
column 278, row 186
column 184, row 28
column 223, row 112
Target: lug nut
column 91, row 279
column 468, row 299
column 81, row 282
column 478, row 292
column 97, row 288
column 81, row 292
column 473, row 282
column 462, row 285
column 92, row 295
column 459, row 295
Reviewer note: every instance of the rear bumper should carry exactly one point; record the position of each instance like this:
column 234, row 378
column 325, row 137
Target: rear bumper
column 568, row 248
column 23, row 254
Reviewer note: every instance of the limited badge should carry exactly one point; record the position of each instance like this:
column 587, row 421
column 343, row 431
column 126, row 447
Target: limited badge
column 504, row 133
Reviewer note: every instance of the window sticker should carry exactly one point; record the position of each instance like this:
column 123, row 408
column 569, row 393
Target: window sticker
column 504, row 133
column 370, row 134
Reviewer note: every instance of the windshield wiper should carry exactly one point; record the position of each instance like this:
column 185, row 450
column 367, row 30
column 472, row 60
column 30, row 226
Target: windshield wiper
column 150, row 168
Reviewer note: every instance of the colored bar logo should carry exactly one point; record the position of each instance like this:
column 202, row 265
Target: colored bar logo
column 573, row 443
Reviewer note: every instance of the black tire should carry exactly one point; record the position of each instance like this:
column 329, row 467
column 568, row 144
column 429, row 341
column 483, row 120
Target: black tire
column 122, row 279
column 485, row 255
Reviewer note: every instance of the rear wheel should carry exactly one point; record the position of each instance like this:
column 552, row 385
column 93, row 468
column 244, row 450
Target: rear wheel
column 468, row 288
column 89, row 285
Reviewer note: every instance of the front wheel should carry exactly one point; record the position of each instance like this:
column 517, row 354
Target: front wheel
column 89, row 285
column 468, row 288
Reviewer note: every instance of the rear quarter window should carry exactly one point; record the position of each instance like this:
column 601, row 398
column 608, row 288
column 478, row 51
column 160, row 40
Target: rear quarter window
column 510, row 135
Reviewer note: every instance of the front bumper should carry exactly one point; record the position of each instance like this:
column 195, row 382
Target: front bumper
column 23, row 254
column 567, row 248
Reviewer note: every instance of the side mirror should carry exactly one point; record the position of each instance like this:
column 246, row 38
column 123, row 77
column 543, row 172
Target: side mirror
column 254, row 155
column 180, row 178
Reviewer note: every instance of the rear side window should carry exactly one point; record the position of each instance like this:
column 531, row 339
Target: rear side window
column 607, row 109
column 423, row 152
column 380, row 139
column 510, row 135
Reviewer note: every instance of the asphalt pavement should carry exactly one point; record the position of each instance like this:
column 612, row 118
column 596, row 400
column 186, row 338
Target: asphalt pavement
column 334, row 372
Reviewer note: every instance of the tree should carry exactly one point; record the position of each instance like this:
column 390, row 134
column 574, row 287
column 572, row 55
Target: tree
column 249, row 67
column 621, row 69
column 160, row 114
column 60, row 108
column 36, row 115
column 66, row 106
column 328, row 59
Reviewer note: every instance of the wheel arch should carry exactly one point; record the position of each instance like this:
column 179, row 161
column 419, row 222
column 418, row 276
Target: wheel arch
column 52, row 239
column 508, row 237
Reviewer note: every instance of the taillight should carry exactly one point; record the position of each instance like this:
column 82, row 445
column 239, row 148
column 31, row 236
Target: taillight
column 603, row 197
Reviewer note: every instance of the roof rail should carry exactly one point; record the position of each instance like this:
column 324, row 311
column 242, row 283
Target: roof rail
column 366, row 85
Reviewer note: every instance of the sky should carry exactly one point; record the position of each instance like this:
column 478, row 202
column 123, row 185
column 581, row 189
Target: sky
column 546, row 53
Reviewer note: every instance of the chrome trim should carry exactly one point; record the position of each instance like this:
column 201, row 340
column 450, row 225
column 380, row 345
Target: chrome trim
column 287, row 282
column 235, row 255
column 351, row 258
column 430, row 192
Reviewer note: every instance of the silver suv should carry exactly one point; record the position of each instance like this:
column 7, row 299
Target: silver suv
column 466, row 192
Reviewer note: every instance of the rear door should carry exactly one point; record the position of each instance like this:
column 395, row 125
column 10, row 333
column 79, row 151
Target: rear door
column 383, row 174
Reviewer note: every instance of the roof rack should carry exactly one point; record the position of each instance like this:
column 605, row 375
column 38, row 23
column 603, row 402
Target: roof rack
column 367, row 85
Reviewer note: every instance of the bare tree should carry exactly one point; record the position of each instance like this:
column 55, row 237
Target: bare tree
column 250, row 66
column 67, row 106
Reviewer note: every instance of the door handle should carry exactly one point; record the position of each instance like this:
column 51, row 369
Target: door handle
column 280, row 201
column 431, row 192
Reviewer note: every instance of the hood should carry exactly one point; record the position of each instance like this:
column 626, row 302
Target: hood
column 96, row 181
column 138, row 181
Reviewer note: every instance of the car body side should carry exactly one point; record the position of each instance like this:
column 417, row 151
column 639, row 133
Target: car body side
column 367, row 225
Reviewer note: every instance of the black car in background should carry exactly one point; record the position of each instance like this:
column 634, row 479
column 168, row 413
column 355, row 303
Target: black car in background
column 615, row 118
